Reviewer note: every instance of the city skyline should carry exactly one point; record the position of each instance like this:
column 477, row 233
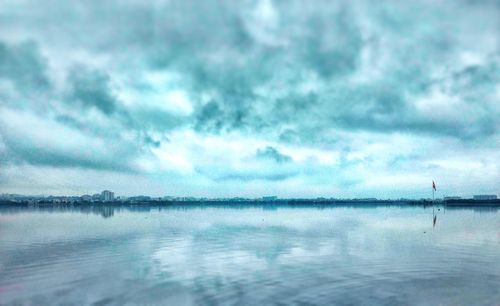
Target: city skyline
column 246, row 99
column 108, row 195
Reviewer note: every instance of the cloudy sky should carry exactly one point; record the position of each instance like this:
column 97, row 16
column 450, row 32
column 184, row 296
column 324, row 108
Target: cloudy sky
column 250, row 98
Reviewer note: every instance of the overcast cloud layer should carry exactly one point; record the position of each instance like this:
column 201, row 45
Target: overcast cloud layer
column 250, row 98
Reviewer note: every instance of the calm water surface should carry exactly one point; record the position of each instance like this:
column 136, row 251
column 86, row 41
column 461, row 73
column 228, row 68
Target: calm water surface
column 250, row 256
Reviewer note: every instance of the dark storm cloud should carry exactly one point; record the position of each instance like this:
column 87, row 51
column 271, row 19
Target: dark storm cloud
column 225, row 175
column 35, row 141
column 226, row 49
column 23, row 64
column 46, row 156
column 270, row 153
column 254, row 177
column 86, row 89
column 91, row 88
column 477, row 80
column 210, row 117
column 232, row 62
column 343, row 55
column 329, row 44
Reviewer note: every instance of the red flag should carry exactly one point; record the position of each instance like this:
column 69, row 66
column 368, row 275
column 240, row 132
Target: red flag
column 433, row 186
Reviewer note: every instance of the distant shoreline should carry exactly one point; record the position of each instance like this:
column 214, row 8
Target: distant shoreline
column 260, row 202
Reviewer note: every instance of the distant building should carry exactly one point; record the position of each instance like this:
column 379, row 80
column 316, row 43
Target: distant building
column 86, row 198
column 187, row 199
column 107, row 195
column 139, row 198
column 96, row 197
column 452, row 198
column 270, row 198
column 485, row 197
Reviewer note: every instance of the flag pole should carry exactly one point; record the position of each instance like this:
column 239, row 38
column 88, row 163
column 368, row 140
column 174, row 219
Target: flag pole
column 433, row 190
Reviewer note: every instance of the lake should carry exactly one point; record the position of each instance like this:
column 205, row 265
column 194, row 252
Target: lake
column 206, row 255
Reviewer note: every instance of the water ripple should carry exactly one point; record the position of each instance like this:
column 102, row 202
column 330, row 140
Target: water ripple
column 252, row 257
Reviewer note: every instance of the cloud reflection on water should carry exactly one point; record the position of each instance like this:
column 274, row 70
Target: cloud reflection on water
column 199, row 255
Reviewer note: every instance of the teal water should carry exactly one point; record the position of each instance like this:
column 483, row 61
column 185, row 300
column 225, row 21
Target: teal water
column 249, row 256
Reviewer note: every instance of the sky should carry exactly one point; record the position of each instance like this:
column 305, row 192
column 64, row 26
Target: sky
column 250, row 98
